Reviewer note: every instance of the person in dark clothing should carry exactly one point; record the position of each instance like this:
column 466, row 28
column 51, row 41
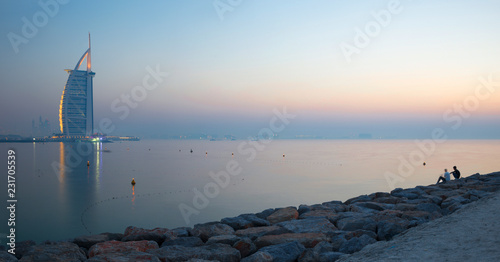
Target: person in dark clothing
column 456, row 173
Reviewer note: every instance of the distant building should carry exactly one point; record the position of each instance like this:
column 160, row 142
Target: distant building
column 76, row 116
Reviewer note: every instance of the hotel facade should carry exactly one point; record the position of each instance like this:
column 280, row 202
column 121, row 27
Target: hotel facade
column 76, row 114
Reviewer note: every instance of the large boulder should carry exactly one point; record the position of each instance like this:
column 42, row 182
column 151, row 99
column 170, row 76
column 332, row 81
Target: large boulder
column 309, row 240
column 90, row 240
column 157, row 234
column 336, row 206
column 219, row 252
column 22, row 247
column 134, row 256
column 355, row 223
column 223, row 239
column 310, row 225
column 208, row 230
column 245, row 246
column 255, row 232
column 255, row 220
column 120, row 247
column 283, row 214
column 356, row 244
column 362, row 198
column 58, row 251
column 328, row 214
column 7, row 257
column 184, row 241
column 237, row 222
column 389, row 226
column 322, row 252
column 286, row 252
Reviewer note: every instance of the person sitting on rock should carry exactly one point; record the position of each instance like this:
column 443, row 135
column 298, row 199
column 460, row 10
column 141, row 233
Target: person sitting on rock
column 456, row 173
column 445, row 177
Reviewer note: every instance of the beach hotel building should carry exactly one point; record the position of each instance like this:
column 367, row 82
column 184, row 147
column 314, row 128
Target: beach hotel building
column 76, row 116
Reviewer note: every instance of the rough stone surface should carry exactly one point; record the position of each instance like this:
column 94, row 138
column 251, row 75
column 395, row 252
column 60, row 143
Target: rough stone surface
column 157, row 234
column 245, row 246
column 286, row 252
column 219, row 252
column 309, row 240
column 311, row 225
column 283, row 214
column 132, row 256
column 255, row 232
column 119, row 247
column 7, row 257
column 355, row 223
column 208, row 230
column 88, row 241
column 355, row 244
column 223, row 239
column 184, row 241
column 59, row 251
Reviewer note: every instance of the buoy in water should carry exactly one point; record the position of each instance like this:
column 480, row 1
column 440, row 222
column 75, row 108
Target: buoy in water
column 425, row 164
column 283, row 155
column 88, row 163
column 133, row 182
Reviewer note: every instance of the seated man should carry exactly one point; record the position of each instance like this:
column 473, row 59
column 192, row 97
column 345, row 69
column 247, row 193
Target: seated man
column 445, row 177
column 456, row 173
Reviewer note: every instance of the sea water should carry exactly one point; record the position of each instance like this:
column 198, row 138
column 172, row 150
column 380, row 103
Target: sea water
column 64, row 190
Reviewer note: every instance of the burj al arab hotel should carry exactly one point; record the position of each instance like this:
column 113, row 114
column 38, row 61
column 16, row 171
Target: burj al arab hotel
column 76, row 116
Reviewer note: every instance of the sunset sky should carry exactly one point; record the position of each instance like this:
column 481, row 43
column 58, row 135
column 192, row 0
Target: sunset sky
column 229, row 68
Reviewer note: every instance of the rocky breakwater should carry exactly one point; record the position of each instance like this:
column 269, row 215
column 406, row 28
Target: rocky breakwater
column 321, row 232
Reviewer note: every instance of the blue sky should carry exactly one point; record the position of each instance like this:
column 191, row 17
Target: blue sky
column 227, row 75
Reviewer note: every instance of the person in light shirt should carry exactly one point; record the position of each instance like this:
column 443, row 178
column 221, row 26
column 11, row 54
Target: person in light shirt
column 445, row 177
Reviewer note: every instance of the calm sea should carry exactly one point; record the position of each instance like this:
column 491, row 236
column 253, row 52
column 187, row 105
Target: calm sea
column 60, row 197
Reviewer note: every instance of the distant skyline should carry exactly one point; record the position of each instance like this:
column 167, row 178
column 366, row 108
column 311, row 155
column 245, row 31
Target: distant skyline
column 391, row 69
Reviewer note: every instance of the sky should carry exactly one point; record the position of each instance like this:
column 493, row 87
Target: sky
column 393, row 69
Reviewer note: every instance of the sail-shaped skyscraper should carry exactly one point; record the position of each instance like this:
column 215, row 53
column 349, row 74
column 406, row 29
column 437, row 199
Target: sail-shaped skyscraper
column 76, row 114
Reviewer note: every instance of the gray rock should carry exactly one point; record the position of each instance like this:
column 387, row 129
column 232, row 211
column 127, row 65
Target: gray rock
column 22, row 247
column 359, row 233
column 157, row 234
column 219, row 252
column 208, row 230
column 391, row 226
column 62, row 251
column 255, row 232
column 259, row 257
column 286, row 252
column 184, row 241
column 362, row 198
column 309, row 225
column 337, row 242
column 255, row 220
column 283, row 214
column 356, row 244
column 336, row 206
column 88, row 241
column 245, row 246
column 428, row 207
column 355, row 223
column 132, row 256
column 264, row 214
column 7, row 257
column 373, row 205
column 236, row 222
column 223, row 239
column 328, row 214
column 182, row 231
column 308, row 240
column 388, row 200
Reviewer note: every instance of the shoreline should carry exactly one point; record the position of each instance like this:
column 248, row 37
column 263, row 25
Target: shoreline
column 319, row 232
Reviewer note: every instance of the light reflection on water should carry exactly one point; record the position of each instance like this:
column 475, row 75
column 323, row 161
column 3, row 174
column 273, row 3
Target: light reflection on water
column 60, row 197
